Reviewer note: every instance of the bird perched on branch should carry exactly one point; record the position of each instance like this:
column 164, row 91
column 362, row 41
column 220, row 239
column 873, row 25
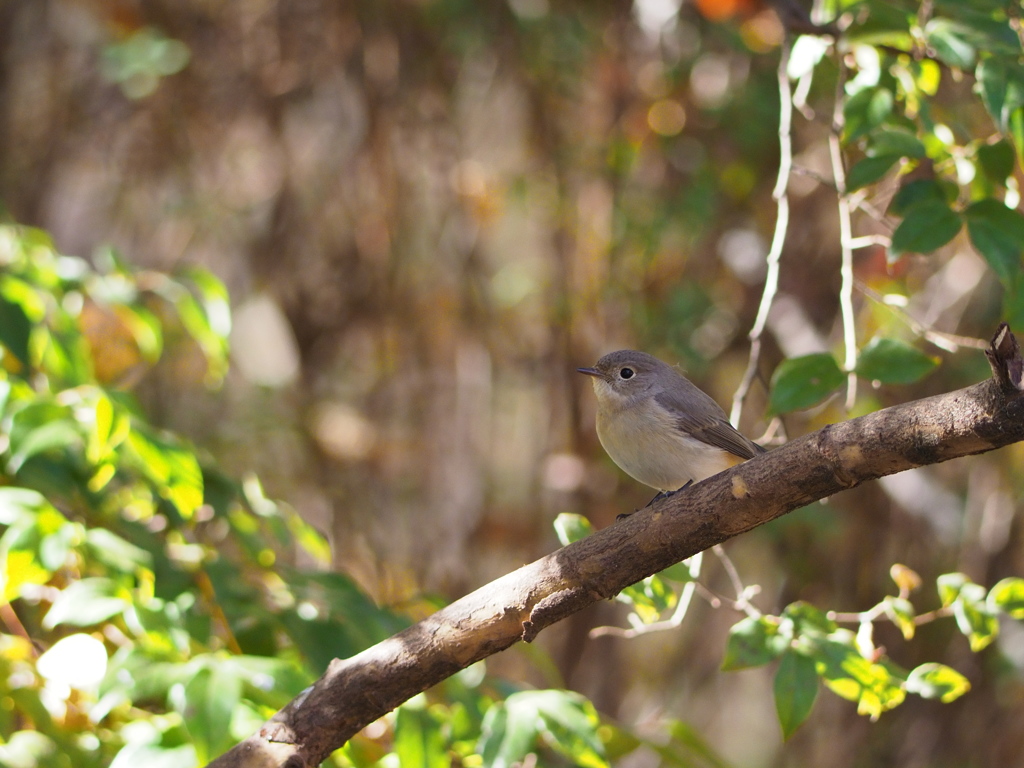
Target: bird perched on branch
column 658, row 426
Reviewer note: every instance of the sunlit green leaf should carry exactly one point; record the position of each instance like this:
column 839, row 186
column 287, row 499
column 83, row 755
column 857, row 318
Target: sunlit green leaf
column 418, row 738
column 1007, row 596
column 85, row 603
column 570, row 527
column 901, row 612
column 171, row 467
column 40, row 427
column 848, row 674
column 20, row 505
column 937, row 681
column 20, row 567
column 949, row 586
column 973, row 616
column 649, row 598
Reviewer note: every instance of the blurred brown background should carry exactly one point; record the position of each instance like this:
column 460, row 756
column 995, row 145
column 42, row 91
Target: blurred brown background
column 428, row 214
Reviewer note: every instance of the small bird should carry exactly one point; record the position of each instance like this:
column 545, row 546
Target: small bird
column 660, row 428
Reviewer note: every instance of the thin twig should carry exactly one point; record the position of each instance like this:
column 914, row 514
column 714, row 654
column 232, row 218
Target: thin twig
column 845, row 238
column 878, row 612
column 950, row 342
column 781, row 196
column 743, row 593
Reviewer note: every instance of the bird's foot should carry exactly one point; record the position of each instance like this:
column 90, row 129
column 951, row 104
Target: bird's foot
column 666, row 494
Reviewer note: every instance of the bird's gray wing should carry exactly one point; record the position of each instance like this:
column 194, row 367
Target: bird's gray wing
column 703, row 419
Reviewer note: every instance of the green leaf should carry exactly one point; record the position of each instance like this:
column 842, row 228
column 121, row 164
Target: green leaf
column 949, row 586
column 418, row 737
column 998, row 234
column 210, row 698
column 951, row 42
column 569, row 722
column 1007, row 596
column 937, row 681
column 848, row 674
column 683, row 572
column 895, row 142
column 21, row 505
column 901, row 612
column 973, row 616
column 40, row 427
column 1015, row 129
column 914, row 192
column 807, row 618
column 570, row 527
column 865, row 110
column 926, row 226
column 116, row 553
column 15, row 328
column 796, row 687
column 507, row 735
column 997, row 161
column 869, row 170
column 1001, row 84
column 894, row 362
column 172, row 468
column 85, row 603
column 649, row 598
column 801, row 382
column 754, row 641
column 20, row 567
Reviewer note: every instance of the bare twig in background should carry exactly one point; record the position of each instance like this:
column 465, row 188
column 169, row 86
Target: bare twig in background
column 845, row 237
column 780, row 194
column 950, row 342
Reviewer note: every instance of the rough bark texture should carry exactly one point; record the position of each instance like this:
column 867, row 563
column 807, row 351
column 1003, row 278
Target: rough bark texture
column 354, row 692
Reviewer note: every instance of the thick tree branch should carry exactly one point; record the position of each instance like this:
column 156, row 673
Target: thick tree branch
column 354, row 692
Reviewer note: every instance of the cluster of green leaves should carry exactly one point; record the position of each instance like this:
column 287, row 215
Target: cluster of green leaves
column 811, row 646
column 472, row 722
column 952, row 176
column 149, row 616
column 152, row 616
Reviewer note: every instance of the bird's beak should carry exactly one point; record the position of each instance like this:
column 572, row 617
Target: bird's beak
column 590, row 372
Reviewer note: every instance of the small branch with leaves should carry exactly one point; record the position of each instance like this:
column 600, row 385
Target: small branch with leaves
column 355, row 692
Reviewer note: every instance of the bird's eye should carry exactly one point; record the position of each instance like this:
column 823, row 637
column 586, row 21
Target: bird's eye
column 626, row 373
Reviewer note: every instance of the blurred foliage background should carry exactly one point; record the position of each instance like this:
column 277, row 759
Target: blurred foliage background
column 427, row 214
